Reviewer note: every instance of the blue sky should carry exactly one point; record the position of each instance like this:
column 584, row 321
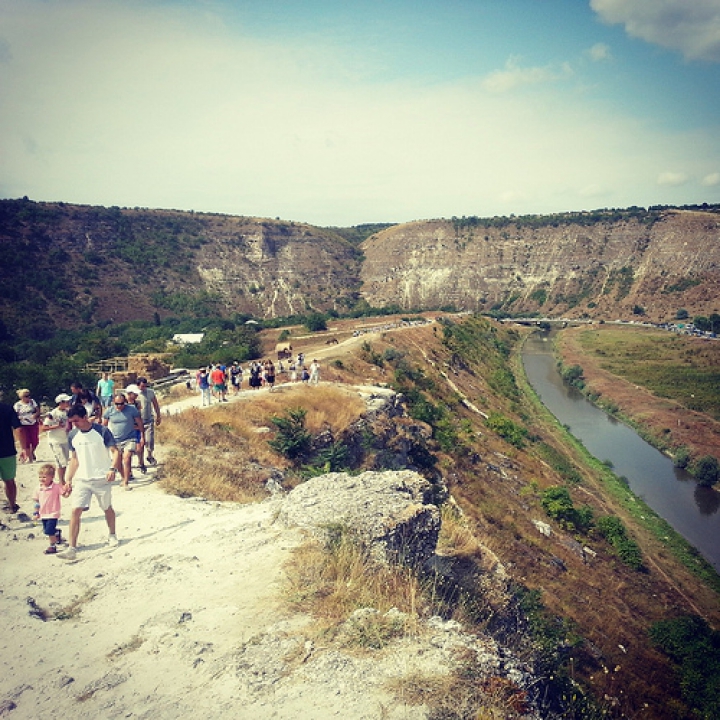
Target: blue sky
column 373, row 111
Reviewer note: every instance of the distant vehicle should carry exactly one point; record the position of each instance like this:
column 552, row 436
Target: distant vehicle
column 284, row 351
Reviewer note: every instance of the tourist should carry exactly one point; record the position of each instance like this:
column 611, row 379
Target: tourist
column 93, row 466
column 29, row 413
column 270, row 374
column 150, row 416
column 47, row 505
column 123, row 421
column 202, row 380
column 88, row 398
column 219, row 386
column 255, row 379
column 56, row 427
column 9, row 433
column 105, row 389
column 236, row 377
column 314, row 372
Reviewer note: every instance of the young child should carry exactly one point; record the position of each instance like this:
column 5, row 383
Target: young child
column 47, row 505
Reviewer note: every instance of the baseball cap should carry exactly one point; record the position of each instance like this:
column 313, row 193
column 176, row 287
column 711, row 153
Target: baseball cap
column 63, row 397
column 133, row 389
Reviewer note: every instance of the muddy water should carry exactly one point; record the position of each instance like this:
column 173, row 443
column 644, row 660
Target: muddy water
column 672, row 493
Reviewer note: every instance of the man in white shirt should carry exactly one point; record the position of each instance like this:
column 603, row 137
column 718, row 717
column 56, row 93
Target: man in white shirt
column 93, row 466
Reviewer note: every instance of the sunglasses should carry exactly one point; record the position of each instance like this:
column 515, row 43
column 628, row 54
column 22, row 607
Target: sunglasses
column 119, row 404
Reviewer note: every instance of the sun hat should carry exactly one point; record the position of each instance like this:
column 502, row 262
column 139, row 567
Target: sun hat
column 63, row 397
column 133, row 389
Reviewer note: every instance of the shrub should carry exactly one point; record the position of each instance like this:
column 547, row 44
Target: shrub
column 707, row 471
column 695, row 648
column 558, row 504
column 316, row 322
column 682, row 458
column 572, row 375
column 507, row 429
column 613, row 530
column 292, row 439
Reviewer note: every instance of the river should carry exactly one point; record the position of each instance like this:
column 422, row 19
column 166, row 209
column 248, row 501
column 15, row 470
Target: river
column 673, row 494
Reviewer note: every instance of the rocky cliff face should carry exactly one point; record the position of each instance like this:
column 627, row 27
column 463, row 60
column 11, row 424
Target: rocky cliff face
column 61, row 263
column 603, row 269
column 98, row 264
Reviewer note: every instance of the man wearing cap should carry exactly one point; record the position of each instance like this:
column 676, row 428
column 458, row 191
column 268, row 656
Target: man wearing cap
column 56, row 427
column 123, row 421
column 150, row 416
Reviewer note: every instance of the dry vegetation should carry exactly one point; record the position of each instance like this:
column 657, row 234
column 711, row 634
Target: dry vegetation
column 222, row 452
column 603, row 607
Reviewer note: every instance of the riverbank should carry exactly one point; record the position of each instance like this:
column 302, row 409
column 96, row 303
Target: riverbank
column 602, row 481
column 663, row 422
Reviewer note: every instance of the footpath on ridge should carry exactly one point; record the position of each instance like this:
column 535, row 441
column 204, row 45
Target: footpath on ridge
column 183, row 617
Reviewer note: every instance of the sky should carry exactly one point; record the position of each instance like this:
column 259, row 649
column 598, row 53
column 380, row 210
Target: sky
column 342, row 113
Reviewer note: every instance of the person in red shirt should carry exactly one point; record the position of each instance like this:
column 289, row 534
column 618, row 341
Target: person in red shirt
column 219, row 384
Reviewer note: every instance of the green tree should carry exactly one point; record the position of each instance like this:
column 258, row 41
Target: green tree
column 702, row 323
column 316, row 322
column 714, row 323
column 707, row 471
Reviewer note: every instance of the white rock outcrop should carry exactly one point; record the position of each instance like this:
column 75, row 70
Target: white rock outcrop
column 391, row 512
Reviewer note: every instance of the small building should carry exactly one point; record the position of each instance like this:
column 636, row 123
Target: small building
column 187, row 338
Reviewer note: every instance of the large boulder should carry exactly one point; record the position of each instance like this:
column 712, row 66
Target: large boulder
column 390, row 512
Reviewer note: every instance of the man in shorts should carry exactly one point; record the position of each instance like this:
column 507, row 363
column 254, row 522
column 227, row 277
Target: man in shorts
column 150, row 416
column 55, row 425
column 93, row 466
column 123, row 421
column 9, row 433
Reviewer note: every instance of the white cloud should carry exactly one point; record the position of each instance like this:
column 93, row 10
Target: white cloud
column 599, row 52
column 133, row 104
column 690, row 26
column 513, row 76
column 672, row 179
column 711, row 180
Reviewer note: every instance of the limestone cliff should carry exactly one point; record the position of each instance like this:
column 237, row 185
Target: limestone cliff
column 603, row 269
column 60, row 264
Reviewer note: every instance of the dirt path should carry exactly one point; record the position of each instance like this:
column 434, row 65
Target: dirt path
column 183, row 619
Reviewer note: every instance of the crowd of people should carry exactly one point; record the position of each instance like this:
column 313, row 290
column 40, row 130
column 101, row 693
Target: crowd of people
column 92, row 436
column 216, row 381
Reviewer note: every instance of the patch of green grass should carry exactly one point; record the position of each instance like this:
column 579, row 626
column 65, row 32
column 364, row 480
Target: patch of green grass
column 676, row 367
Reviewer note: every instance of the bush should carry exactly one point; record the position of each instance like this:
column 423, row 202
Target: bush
column 316, row 322
column 613, row 530
column 681, row 458
column 573, row 375
column 507, row 429
column 558, row 504
column 707, row 471
column 695, row 648
column 292, row 439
